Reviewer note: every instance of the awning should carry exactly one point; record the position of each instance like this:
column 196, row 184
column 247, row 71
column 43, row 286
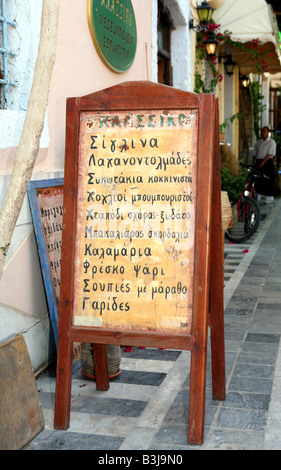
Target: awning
column 248, row 20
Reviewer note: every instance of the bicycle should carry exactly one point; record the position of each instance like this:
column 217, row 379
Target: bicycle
column 246, row 214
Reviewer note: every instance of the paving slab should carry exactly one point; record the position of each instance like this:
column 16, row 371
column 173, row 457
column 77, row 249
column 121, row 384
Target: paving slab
column 146, row 408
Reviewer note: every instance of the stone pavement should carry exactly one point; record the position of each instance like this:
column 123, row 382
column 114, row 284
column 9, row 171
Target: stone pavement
column 146, row 407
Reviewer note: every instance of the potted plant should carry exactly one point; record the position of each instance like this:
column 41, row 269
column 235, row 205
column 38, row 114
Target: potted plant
column 226, row 123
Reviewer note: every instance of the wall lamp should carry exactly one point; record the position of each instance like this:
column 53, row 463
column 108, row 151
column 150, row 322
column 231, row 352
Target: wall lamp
column 211, row 44
column 228, row 64
column 244, row 81
column 205, row 13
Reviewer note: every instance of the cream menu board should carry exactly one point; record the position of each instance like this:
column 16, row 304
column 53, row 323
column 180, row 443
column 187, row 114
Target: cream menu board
column 136, row 202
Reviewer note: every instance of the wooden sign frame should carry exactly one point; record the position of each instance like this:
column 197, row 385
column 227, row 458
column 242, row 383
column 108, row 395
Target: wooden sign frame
column 48, row 188
column 207, row 308
column 32, row 192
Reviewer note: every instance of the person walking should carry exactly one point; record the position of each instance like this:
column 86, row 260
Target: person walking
column 263, row 154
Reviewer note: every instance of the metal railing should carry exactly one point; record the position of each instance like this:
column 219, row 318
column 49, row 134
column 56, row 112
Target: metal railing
column 4, row 52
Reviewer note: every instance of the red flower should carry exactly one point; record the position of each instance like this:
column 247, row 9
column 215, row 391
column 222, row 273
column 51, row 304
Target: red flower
column 212, row 27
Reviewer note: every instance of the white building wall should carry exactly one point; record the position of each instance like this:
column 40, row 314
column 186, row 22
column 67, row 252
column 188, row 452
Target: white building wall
column 23, row 40
column 180, row 47
column 23, row 307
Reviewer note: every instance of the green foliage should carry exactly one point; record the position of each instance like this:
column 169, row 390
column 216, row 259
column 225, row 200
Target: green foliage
column 4, row 249
column 258, row 107
column 230, row 120
column 200, row 85
column 233, row 185
column 254, row 48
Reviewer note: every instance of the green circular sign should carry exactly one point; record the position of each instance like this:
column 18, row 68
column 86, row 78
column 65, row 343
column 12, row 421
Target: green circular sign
column 113, row 27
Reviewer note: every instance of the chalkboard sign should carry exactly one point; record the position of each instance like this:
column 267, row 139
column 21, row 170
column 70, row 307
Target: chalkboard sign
column 141, row 211
column 46, row 205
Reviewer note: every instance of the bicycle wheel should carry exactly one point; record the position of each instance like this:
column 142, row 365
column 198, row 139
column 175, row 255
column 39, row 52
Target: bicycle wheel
column 246, row 218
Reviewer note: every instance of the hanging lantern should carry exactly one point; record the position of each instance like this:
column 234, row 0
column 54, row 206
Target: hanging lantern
column 211, row 44
column 244, row 81
column 205, row 12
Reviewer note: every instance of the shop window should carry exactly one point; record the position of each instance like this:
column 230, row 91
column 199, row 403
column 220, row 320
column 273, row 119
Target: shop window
column 164, row 30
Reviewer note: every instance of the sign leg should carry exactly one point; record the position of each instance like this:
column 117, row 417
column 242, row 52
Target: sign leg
column 101, row 369
column 216, row 316
column 218, row 361
column 216, row 306
column 197, row 396
column 63, row 384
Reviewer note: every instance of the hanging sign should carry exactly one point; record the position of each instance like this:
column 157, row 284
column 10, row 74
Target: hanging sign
column 113, row 29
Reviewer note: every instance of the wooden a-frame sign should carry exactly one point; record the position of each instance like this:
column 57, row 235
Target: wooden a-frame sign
column 142, row 241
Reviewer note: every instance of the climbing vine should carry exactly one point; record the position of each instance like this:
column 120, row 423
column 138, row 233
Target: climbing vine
column 254, row 48
column 259, row 107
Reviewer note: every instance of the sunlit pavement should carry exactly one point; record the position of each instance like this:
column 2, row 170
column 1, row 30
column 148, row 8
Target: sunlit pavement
column 146, row 407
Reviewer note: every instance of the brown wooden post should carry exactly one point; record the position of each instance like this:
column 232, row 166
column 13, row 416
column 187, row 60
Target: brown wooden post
column 63, row 384
column 217, row 280
column 101, row 370
column 64, row 350
column 201, row 275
